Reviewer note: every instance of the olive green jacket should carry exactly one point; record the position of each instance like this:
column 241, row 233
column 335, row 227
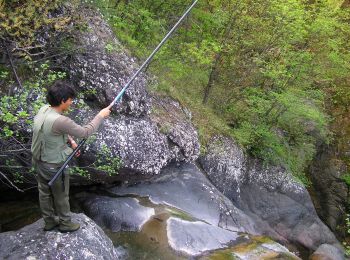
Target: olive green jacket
column 46, row 146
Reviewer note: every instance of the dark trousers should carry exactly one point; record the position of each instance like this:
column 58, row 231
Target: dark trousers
column 54, row 200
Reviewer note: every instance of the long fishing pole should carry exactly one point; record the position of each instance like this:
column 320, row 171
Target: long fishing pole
column 82, row 142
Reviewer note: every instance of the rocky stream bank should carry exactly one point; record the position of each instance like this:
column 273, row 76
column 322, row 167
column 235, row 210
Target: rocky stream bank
column 168, row 200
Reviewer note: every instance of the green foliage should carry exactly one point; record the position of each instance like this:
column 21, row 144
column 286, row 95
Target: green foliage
column 4, row 74
column 79, row 171
column 281, row 128
column 109, row 47
column 16, row 118
column 277, row 110
column 105, row 162
column 17, row 108
column 272, row 64
column 346, row 178
column 20, row 23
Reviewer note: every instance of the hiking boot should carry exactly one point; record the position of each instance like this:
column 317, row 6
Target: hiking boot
column 50, row 225
column 68, row 226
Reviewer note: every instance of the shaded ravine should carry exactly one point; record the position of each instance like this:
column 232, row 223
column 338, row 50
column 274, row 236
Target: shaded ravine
column 18, row 210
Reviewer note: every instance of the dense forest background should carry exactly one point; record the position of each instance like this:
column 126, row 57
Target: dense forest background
column 273, row 74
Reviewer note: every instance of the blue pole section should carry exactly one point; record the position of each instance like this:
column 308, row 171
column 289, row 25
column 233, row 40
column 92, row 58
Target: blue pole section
column 118, row 97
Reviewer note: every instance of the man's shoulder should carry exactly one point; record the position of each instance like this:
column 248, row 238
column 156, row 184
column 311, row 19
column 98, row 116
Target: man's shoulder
column 43, row 109
column 63, row 122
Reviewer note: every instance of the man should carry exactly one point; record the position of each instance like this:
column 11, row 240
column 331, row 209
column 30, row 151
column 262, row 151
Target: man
column 51, row 133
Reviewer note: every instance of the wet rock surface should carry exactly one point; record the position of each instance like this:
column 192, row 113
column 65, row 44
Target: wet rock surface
column 327, row 252
column 279, row 205
column 115, row 214
column 256, row 248
column 182, row 209
column 190, row 218
column 184, row 187
column 194, row 238
column 31, row 242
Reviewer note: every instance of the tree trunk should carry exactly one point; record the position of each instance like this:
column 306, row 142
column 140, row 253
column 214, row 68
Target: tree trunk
column 212, row 77
column 215, row 67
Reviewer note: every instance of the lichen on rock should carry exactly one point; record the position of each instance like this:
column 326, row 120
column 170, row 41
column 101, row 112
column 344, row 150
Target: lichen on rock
column 32, row 242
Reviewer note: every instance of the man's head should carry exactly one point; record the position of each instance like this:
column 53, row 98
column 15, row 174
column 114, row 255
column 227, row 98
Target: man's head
column 61, row 95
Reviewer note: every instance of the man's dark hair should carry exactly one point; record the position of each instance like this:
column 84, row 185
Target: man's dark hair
column 60, row 91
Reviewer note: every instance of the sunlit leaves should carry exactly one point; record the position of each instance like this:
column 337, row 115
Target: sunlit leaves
column 20, row 23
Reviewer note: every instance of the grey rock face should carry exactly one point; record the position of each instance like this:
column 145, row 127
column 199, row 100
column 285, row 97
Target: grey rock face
column 327, row 252
column 331, row 191
column 194, row 238
column 190, row 215
column 31, row 242
column 175, row 123
column 184, row 187
column 280, row 205
column 116, row 214
column 102, row 68
column 225, row 165
column 284, row 205
column 139, row 141
column 136, row 141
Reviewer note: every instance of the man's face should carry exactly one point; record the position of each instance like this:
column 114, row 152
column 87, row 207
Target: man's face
column 65, row 105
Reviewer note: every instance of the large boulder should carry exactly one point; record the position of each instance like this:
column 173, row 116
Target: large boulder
column 136, row 141
column 146, row 138
column 140, row 142
column 180, row 209
column 269, row 195
column 184, row 187
column 174, row 122
column 32, row 242
column 115, row 214
column 102, row 67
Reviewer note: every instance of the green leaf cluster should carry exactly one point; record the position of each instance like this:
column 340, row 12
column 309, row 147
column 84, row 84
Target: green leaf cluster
column 18, row 110
column 105, row 161
column 346, row 178
column 21, row 22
